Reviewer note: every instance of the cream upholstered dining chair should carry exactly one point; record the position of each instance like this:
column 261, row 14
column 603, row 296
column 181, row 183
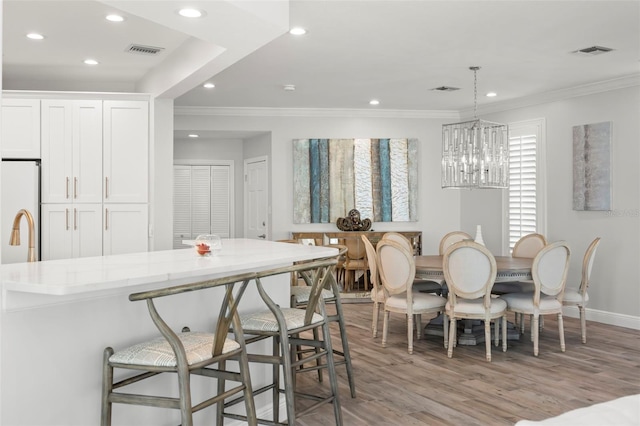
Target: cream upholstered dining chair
column 470, row 271
column 549, row 272
column 452, row 238
column 397, row 271
column 419, row 284
column 527, row 246
column 579, row 296
column 378, row 293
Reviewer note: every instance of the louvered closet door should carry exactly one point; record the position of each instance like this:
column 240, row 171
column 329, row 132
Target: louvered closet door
column 201, row 202
column 221, row 201
column 181, row 205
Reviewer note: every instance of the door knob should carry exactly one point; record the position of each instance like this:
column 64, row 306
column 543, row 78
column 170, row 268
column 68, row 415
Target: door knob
column 262, row 236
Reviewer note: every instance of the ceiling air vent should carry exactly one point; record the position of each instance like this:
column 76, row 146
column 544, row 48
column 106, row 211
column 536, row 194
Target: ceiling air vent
column 446, row 88
column 143, row 50
column 593, row 50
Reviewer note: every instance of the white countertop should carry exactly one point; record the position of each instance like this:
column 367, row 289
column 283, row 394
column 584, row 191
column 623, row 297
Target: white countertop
column 170, row 267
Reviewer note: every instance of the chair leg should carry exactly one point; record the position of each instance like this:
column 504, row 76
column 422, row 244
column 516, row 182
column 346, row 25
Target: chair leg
column 583, row 323
column 345, row 348
column 222, row 365
column 249, row 404
column 107, row 388
column 318, row 361
column 487, row 339
column 410, row 333
column 504, row 333
column 561, row 331
column 184, row 386
column 374, row 322
column 385, row 328
column 496, row 331
column 452, row 337
column 287, row 371
column 445, row 326
column 333, row 377
column 536, row 332
column 419, row 325
column 275, row 393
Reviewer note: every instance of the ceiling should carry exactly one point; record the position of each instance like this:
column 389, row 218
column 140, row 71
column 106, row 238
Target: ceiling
column 354, row 51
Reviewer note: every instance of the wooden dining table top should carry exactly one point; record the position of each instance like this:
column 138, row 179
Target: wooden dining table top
column 504, row 264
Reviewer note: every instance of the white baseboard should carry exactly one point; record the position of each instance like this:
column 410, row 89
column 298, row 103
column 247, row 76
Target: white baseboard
column 619, row 320
column 264, row 413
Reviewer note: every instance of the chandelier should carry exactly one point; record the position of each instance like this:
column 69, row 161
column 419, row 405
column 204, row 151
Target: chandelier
column 475, row 154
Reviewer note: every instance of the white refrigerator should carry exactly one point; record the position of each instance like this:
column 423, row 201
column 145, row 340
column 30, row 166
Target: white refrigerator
column 20, row 189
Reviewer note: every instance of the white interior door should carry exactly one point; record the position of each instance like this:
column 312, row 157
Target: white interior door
column 256, row 184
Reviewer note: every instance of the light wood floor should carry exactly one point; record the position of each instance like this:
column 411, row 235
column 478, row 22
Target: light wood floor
column 427, row 388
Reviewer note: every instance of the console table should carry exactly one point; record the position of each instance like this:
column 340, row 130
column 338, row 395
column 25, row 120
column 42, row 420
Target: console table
column 321, row 238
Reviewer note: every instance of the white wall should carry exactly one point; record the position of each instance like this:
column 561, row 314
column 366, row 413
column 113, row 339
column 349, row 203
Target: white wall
column 161, row 182
column 439, row 210
column 615, row 285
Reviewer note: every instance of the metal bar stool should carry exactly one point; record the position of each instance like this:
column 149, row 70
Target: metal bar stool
column 184, row 353
column 286, row 326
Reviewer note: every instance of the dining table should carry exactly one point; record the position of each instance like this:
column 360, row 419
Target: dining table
column 509, row 269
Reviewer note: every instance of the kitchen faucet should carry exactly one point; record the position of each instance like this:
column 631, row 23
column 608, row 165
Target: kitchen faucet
column 15, row 234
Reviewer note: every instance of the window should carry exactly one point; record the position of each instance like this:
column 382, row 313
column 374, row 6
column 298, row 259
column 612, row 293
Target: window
column 525, row 199
column 202, row 201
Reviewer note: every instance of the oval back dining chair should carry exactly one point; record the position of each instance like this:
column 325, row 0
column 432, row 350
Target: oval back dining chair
column 470, row 271
column 452, row 238
column 397, row 272
column 529, row 245
column 549, row 272
column 419, row 284
column 378, row 294
column 579, row 296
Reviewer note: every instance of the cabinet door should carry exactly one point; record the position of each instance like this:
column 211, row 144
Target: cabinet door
column 87, row 230
column 126, row 151
column 57, row 151
column 20, row 128
column 125, row 228
column 87, row 152
column 56, row 231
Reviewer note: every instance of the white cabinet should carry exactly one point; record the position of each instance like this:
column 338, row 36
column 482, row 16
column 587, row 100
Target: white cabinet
column 71, row 151
column 126, row 151
column 20, row 128
column 70, row 231
column 125, row 228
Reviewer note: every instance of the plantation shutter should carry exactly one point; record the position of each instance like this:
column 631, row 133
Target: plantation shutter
column 522, row 187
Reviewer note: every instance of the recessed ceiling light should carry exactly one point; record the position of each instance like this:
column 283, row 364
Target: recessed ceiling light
column 374, row 102
column 492, row 94
column 35, row 36
column 289, row 87
column 297, row 31
column 193, row 135
column 208, row 85
column 191, row 13
column 114, row 18
column 91, row 62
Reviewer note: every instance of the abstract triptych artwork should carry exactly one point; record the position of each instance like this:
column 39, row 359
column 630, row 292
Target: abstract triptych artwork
column 376, row 176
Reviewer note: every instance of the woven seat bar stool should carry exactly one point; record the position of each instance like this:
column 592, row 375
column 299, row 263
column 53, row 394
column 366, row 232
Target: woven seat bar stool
column 285, row 326
column 184, row 353
column 331, row 296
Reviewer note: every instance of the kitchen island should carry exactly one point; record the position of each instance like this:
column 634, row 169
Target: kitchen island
column 58, row 316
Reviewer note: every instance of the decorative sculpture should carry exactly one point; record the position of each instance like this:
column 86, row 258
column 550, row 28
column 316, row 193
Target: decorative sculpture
column 353, row 223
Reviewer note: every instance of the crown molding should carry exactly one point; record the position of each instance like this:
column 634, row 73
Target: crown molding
column 558, row 95
column 315, row 112
column 541, row 98
column 50, row 94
